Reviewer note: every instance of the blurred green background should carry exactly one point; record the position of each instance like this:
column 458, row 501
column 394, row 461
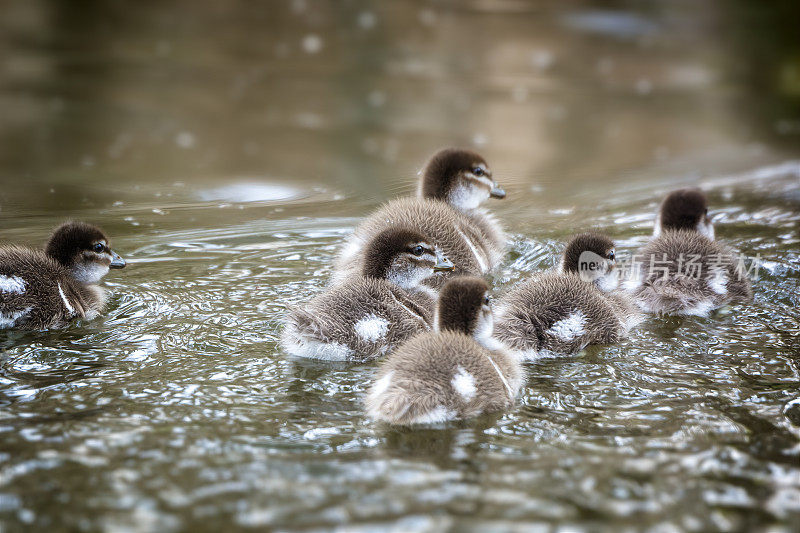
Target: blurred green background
column 354, row 94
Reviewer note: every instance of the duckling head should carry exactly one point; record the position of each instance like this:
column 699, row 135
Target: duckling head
column 403, row 256
column 84, row 249
column 465, row 306
column 685, row 209
column 592, row 256
column 459, row 177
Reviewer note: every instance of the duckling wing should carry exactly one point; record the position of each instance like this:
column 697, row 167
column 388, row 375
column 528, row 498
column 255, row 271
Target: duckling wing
column 492, row 233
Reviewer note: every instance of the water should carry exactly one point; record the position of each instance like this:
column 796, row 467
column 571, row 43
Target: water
column 228, row 150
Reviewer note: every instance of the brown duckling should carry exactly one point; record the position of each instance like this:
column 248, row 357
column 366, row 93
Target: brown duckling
column 46, row 289
column 561, row 312
column 372, row 313
column 457, row 371
column 684, row 271
column 447, row 208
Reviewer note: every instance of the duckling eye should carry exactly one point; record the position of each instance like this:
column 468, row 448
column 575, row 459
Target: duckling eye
column 478, row 171
column 487, row 300
column 417, row 250
column 611, row 255
column 99, row 247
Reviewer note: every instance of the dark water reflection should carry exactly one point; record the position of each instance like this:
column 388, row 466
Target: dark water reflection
column 228, row 148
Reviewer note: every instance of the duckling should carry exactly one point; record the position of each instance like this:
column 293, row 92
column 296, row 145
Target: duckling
column 452, row 187
column 456, row 371
column 370, row 314
column 561, row 312
column 684, row 271
column 46, row 289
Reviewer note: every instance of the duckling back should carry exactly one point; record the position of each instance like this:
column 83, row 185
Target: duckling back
column 685, row 273
column 356, row 321
column 36, row 292
column 435, row 377
column 560, row 314
column 474, row 242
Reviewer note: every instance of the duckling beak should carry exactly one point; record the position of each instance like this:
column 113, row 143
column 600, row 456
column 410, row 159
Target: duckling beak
column 443, row 264
column 497, row 191
column 116, row 261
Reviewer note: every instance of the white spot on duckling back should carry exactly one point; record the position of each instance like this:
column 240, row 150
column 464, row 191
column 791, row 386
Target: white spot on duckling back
column 464, row 383
column 569, row 328
column 70, row 309
column 9, row 320
column 719, row 282
column 13, row 284
column 372, row 328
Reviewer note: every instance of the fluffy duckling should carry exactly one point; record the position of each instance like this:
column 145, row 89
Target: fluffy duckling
column 47, row 289
column 452, row 187
column 683, row 270
column 370, row 314
column 457, row 371
column 561, row 312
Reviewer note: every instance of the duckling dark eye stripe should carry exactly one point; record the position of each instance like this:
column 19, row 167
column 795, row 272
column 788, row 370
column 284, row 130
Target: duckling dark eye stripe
column 481, row 179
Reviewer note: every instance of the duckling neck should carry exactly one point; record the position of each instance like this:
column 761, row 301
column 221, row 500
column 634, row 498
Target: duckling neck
column 608, row 282
column 88, row 274
column 459, row 198
column 457, row 324
column 490, row 343
column 408, row 278
column 704, row 227
column 463, row 199
column 48, row 251
column 375, row 269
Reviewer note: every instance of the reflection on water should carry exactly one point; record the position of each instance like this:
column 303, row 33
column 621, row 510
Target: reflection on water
column 228, row 148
